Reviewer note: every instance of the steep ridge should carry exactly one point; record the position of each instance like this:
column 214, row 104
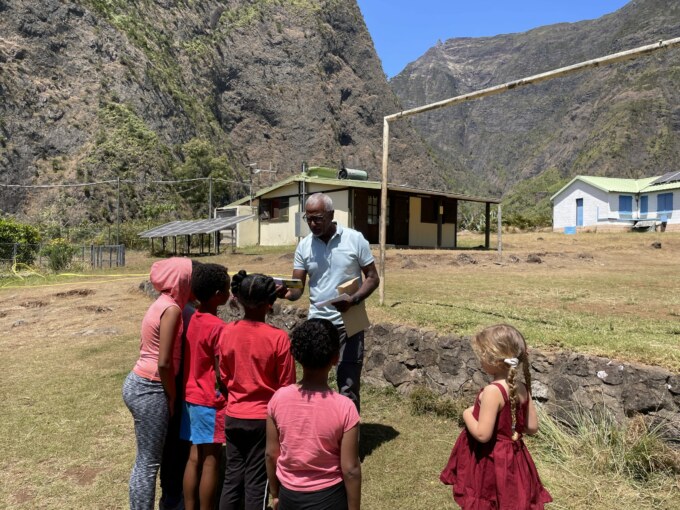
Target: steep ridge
column 96, row 90
column 619, row 120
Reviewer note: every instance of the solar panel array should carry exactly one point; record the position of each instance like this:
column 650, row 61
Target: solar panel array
column 667, row 178
column 185, row 228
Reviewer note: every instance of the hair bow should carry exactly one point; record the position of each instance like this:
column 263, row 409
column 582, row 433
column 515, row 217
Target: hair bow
column 513, row 362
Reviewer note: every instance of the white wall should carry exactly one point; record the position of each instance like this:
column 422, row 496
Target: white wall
column 281, row 233
column 595, row 202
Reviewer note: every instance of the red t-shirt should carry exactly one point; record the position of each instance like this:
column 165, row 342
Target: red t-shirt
column 311, row 425
column 255, row 361
column 202, row 345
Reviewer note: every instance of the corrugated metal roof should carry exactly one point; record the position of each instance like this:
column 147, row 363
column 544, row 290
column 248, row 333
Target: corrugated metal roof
column 618, row 185
column 179, row 228
column 351, row 183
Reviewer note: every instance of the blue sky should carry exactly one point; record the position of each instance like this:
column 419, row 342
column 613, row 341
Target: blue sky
column 403, row 30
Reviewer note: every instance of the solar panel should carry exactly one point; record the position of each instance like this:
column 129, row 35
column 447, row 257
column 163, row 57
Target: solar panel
column 666, row 178
column 179, row 228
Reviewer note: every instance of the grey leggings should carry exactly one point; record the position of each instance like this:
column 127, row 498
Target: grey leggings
column 148, row 404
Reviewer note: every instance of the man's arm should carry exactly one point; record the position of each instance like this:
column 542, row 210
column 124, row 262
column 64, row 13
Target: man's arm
column 370, row 283
column 293, row 294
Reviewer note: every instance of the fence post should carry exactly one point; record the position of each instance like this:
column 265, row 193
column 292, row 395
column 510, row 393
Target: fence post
column 14, row 254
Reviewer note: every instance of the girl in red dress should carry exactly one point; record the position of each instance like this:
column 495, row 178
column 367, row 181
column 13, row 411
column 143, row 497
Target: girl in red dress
column 490, row 467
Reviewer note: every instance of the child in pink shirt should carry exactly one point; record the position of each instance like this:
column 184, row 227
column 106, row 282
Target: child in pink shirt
column 312, row 451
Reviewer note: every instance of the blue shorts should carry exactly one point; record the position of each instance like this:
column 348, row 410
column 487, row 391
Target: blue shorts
column 202, row 424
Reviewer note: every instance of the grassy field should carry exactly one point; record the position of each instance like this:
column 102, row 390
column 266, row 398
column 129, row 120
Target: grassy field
column 67, row 440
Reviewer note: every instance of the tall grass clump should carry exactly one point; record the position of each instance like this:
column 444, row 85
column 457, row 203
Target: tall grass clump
column 632, row 449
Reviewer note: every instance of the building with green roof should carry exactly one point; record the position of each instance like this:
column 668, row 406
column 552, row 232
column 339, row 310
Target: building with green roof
column 610, row 203
column 415, row 217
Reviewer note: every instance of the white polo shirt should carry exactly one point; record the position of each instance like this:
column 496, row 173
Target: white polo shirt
column 330, row 264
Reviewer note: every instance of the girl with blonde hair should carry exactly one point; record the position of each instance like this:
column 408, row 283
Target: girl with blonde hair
column 490, row 466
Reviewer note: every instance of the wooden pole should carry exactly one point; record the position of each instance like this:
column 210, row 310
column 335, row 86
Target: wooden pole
column 537, row 78
column 383, row 209
column 500, row 234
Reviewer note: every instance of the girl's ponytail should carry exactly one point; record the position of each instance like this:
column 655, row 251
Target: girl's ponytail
column 513, row 400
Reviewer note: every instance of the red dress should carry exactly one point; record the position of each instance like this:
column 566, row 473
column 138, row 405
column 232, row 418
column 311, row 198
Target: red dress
column 499, row 474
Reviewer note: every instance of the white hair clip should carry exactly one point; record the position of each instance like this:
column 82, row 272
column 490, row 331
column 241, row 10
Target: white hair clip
column 513, row 362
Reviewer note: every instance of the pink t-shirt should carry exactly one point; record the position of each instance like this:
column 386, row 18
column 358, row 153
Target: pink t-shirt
column 149, row 344
column 172, row 278
column 311, row 425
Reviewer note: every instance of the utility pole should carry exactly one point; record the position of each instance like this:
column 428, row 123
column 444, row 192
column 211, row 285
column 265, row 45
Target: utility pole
column 118, row 212
column 210, row 197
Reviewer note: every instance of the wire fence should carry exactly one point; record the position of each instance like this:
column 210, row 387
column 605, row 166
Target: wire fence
column 47, row 257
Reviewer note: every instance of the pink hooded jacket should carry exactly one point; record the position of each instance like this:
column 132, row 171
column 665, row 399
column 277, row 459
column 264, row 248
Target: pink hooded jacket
column 172, row 278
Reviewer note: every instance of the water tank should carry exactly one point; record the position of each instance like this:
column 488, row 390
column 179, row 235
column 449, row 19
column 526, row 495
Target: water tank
column 351, row 173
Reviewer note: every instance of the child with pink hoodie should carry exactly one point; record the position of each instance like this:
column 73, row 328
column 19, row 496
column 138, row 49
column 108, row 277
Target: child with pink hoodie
column 149, row 390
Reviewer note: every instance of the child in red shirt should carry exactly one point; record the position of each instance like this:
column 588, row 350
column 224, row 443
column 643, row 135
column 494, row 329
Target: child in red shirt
column 204, row 405
column 255, row 361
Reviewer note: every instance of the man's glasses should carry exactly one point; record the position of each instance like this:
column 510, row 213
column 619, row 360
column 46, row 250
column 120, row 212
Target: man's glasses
column 313, row 219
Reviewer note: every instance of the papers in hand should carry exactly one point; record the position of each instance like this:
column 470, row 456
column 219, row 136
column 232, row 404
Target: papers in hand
column 355, row 318
column 332, row 302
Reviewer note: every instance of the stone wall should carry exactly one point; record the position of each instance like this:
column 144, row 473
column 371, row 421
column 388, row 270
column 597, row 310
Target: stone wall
column 404, row 357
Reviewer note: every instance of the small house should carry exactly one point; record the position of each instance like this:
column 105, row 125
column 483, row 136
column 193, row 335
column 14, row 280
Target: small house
column 608, row 203
column 415, row 217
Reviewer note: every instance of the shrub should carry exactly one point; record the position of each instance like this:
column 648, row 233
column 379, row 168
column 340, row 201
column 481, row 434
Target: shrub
column 59, row 253
column 26, row 236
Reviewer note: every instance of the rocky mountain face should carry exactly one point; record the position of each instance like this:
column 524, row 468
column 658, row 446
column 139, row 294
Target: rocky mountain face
column 619, row 120
column 147, row 90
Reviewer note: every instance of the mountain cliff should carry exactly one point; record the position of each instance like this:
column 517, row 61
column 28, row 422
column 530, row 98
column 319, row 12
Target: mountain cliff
column 619, row 120
column 99, row 90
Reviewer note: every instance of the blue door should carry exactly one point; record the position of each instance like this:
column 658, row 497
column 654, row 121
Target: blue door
column 579, row 212
column 644, row 206
column 625, row 207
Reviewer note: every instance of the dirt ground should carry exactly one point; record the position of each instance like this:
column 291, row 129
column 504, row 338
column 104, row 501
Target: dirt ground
column 96, row 304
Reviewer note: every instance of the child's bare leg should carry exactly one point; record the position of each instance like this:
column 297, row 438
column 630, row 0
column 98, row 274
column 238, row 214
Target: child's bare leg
column 210, row 474
column 192, row 477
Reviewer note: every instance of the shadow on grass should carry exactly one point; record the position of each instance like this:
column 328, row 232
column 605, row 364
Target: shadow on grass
column 372, row 435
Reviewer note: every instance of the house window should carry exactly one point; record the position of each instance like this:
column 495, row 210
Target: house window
column 373, row 212
column 274, row 209
column 664, row 204
column 428, row 210
column 625, row 206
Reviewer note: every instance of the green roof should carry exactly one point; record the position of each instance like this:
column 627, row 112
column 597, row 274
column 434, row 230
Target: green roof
column 352, row 183
column 617, row 185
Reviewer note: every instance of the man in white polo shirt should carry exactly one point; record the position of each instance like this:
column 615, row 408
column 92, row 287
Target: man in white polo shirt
column 331, row 255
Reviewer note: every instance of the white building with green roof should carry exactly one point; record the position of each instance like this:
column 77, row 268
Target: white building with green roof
column 609, row 203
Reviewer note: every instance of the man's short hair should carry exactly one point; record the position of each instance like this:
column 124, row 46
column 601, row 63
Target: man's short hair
column 323, row 198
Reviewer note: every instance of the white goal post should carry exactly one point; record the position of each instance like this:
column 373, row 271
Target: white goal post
column 537, row 78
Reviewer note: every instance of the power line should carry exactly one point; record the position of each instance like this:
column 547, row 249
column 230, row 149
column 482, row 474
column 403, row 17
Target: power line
column 127, row 181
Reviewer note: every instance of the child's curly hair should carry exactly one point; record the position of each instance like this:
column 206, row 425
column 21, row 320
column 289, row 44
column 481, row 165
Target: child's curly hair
column 207, row 280
column 493, row 345
column 314, row 343
column 253, row 290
